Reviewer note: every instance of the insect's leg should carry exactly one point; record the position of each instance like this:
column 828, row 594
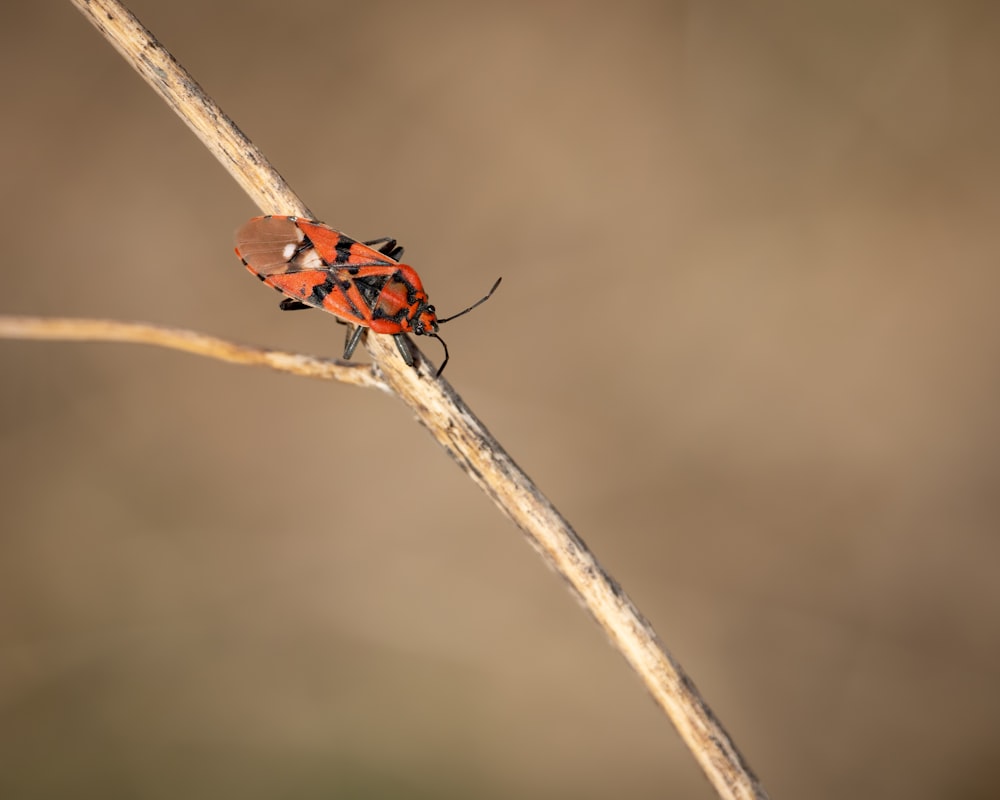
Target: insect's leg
column 290, row 304
column 403, row 347
column 351, row 342
column 388, row 248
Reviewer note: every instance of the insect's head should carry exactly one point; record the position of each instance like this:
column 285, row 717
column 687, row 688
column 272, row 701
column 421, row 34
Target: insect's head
column 425, row 323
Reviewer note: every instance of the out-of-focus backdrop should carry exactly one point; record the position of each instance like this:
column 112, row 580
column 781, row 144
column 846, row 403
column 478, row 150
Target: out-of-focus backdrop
column 748, row 341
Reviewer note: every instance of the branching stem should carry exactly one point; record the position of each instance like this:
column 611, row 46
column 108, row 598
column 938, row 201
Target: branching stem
column 434, row 402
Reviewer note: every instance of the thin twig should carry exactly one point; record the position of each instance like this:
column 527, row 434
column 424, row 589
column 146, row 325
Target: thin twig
column 106, row 330
column 454, row 425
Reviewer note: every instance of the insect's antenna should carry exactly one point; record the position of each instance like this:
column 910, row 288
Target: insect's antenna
column 435, row 336
column 478, row 303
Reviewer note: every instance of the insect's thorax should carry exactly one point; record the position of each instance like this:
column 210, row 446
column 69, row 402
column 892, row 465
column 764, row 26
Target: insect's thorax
column 398, row 302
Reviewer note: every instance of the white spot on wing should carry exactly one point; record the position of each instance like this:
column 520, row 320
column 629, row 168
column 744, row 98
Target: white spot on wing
column 309, row 259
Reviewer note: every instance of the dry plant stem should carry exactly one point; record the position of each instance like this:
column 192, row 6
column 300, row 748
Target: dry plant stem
column 105, row 330
column 454, row 425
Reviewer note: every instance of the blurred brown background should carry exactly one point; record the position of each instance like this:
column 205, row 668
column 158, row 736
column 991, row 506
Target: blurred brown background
column 747, row 341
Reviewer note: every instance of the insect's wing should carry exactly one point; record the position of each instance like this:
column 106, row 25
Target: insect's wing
column 316, row 265
column 338, row 250
column 283, row 245
column 331, row 290
column 275, row 245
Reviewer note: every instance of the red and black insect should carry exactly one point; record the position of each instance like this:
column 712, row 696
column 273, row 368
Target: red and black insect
column 318, row 267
